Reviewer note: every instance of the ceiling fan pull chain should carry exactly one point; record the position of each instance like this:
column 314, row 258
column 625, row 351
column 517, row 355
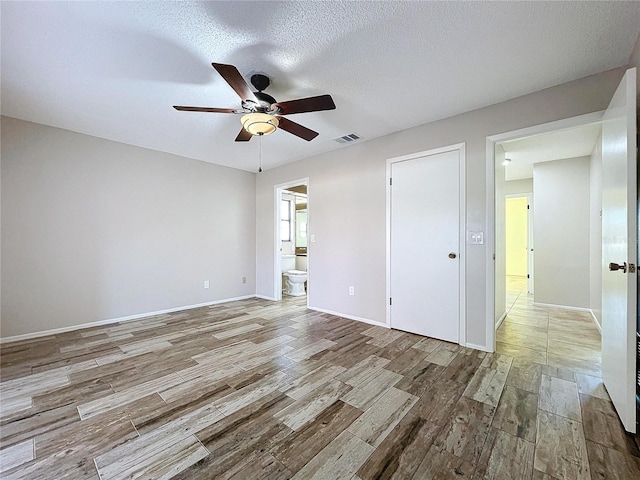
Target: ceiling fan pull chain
column 260, row 158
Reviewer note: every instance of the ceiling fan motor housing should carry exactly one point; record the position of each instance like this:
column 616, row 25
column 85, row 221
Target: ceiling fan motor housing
column 265, row 100
column 261, row 82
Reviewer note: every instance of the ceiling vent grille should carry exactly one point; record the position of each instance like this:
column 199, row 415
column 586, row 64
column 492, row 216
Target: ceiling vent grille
column 351, row 137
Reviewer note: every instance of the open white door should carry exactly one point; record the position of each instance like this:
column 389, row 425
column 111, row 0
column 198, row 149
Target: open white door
column 530, row 249
column 619, row 249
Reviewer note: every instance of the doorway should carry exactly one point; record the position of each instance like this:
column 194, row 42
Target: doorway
column 425, row 238
column 560, row 172
column 519, row 182
column 292, row 249
column 559, row 326
column 519, row 240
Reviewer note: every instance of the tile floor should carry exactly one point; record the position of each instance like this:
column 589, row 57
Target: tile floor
column 558, row 338
column 255, row 389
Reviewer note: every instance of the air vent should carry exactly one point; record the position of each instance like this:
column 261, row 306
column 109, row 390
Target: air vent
column 352, row 137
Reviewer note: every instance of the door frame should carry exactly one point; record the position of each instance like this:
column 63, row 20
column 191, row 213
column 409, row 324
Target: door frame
column 490, row 165
column 461, row 149
column 531, row 256
column 277, row 257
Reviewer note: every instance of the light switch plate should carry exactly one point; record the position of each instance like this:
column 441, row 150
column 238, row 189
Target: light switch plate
column 475, row 238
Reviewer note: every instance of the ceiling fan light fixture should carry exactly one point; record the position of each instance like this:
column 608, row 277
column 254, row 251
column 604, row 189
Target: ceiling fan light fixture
column 257, row 123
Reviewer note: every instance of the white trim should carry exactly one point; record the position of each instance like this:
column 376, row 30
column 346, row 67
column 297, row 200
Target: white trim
column 348, row 317
column 462, row 161
column 500, row 320
column 277, row 258
column 264, row 297
column 575, row 309
column 462, row 231
column 482, row 348
column 491, row 207
column 562, row 307
column 490, row 242
column 565, row 123
column 44, row 333
column 595, row 320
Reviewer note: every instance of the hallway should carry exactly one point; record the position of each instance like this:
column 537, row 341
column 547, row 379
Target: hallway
column 556, row 374
column 559, row 338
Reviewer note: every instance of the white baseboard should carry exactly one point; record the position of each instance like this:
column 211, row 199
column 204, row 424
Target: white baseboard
column 500, row 320
column 478, row 347
column 562, row 307
column 575, row 309
column 595, row 320
column 44, row 333
column 264, row 297
column 350, row 317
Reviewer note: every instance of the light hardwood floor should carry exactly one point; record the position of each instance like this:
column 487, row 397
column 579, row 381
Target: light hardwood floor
column 255, row 389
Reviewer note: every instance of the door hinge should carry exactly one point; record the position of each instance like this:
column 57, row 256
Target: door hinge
column 527, row 207
column 390, row 181
column 390, row 301
column 528, row 276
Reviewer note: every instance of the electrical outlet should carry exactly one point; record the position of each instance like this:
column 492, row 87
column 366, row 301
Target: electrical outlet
column 206, row 284
column 352, row 291
column 244, row 279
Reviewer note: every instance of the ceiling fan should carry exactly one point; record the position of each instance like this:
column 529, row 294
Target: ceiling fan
column 262, row 114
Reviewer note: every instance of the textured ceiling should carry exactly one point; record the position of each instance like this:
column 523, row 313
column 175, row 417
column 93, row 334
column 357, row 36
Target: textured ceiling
column 558, row 145
column 114, row 69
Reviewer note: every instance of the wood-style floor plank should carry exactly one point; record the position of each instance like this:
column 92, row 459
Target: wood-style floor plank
column 376, row 423
column 517, row 413
column 16, row 455
column 401, row 452
column 304, row 444
column 340, row 459
column 561, row 449
column 505, row 457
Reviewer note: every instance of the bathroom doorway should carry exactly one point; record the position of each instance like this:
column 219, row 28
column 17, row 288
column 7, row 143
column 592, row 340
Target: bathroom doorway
column 291, row 265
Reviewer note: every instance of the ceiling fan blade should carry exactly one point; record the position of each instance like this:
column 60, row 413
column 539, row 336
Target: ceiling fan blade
column 243, row 136
column 235, row 81
column 204, row 109
column 297, row 129
column 309, row 104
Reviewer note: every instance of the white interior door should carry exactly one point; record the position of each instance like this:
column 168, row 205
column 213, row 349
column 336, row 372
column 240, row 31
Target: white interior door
column 530, row 251
column 425, row 245
column 619, row 241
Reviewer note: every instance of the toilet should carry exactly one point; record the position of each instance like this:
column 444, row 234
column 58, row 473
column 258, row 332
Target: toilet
column 294, row 282
column 292, row 279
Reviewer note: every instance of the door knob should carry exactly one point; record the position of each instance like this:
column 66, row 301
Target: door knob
column 452, row 255
column 614, row 267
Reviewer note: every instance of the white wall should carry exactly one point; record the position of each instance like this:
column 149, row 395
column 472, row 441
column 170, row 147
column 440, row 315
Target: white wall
column 516, row 216
column 595, row 221
column 515, row 187
column 561, row 234
column 347, row 189
column 95, row 230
